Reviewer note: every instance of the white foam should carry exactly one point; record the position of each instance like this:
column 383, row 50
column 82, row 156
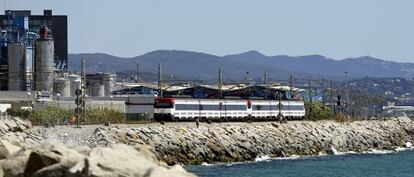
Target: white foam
column 294, row 156
column 206, row 164
column 262, row 158
column 399, row 149
column 408, row 145
column 375, row 151
column 334, row 151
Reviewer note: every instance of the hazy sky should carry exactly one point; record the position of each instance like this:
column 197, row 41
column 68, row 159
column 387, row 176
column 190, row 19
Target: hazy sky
column 337, row 29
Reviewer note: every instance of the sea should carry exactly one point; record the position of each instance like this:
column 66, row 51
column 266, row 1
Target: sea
column 398, row 163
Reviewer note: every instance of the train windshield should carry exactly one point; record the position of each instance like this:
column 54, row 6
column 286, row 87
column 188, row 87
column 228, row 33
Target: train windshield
column 163, row 103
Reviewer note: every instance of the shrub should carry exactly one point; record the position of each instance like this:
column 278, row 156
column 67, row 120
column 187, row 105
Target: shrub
column 57, row 115
column 51, row 115
column 22, row 113
column 340, row 117
column 99, row 116
column 317, row 111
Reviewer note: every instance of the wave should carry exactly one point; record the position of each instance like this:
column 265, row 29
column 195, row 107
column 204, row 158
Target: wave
column 262, row 158
column 267, row 158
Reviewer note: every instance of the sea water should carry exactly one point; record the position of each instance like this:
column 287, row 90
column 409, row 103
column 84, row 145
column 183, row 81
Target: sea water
column 375, row 164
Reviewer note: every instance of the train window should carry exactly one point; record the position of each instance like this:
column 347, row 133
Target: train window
column 235, row 107
column 163, row 105
column 187, row 107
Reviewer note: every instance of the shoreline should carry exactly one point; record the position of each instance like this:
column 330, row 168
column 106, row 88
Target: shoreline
column 297, row 157
column 184, row 143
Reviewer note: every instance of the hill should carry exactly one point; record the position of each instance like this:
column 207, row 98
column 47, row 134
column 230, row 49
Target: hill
column 195, row 65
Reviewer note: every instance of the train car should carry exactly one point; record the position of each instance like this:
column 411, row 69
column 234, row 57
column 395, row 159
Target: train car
column 189, row 109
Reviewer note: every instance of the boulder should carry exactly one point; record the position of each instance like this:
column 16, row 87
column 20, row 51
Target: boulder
column 7, row 148
column 14, row 165
column 49, row 154
column 116, row 160
column 1, row 171
column 122, row 160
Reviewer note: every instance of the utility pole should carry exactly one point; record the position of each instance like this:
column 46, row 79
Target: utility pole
column 248, row 83
column 279, row 107
column 346, row 105
column 80, row 96
column 291, row 85
column 137, row 74
column 160, row 80
column 332, row 100
column 265, row 84
column 310, row 95
column 83, row 88
column 220, row 82
column 323, row 90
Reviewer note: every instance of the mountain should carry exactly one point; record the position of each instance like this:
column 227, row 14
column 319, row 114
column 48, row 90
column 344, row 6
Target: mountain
column 194, row 65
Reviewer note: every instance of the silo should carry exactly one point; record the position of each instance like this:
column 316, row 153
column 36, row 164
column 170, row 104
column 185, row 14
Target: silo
column 44, row 53
column 4, row 69
column 44, row 61
column 62, row 86
column 101, row 91
column 17, row 67
column 97, row 89
column 108, row 80
column 75, row 83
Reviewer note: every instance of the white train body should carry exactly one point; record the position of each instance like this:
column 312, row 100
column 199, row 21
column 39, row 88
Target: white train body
column 188, row 109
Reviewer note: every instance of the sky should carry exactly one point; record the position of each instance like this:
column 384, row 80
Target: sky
column 334, row 28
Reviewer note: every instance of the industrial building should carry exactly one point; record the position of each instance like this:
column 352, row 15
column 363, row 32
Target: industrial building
column 239, row 90
column 32, row 48
column 100, row 84
column 57, row 24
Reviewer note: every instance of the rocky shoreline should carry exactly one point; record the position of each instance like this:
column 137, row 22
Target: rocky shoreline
column 230, row 142
column 23, row 152
column 184, row 143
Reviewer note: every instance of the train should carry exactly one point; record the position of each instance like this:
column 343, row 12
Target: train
column 226, row 110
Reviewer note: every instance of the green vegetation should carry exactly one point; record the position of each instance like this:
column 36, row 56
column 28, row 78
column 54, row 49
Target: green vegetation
column 18, row 112
column 317, row 111
column 56, row 115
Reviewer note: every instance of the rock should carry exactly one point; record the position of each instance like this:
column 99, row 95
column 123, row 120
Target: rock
column 82, row 150
column 122, row 160
column 148, row 153
column 175, row 171
column 7, row 148
column 275, row 125
column 1, row 171
column 48, row 154
column 331, row 151
column 15, row 164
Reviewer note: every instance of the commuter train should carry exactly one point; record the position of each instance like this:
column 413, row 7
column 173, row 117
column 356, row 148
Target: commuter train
column 189, row 109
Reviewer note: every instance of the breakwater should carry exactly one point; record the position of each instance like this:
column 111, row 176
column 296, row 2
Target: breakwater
column 228, row 142
column 24, row 151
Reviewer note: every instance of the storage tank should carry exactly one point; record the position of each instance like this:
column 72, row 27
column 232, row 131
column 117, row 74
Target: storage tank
column 44, row 61
column 4, row 69
column 75, row 83
column 17, row 66
column 101, row 91
column 61, row 86
column 96, row 88
column 108, row 82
